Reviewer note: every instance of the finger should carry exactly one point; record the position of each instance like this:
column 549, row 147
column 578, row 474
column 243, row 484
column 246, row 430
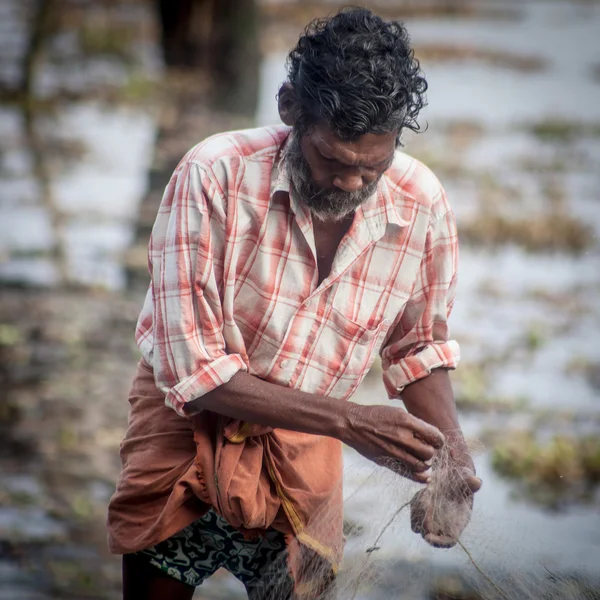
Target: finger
column 474, row 483
column 416, row 524
column 422, row 517
column 439, row 540
column 423, row 522
column 417, row 447
column 403, row 470
column 425, row 432
column 471, row 480
column 404, row 463
column 417, row 513
column 423, row 477
column 429, row 524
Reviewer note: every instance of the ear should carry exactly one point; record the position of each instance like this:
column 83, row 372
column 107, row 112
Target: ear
column 286, row 100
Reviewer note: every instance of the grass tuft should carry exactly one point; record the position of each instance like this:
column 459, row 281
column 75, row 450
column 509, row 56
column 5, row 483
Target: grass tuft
column 562, row 130
column 563, row 469
column 555, row 231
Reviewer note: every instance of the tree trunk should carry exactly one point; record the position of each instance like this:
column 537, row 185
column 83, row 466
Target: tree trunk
column 234, row 55
column 220, row 37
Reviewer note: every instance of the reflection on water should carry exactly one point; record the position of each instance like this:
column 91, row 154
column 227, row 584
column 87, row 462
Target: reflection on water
column 75, row 225
column 506, row 142
column 74, row 168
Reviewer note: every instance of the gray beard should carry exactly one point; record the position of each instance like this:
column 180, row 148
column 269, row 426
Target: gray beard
column 325, row 204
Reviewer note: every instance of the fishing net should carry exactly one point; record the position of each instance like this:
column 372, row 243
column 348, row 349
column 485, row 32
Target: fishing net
column 385, row 559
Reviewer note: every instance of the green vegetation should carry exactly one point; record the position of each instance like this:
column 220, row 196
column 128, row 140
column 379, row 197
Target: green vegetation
column 562, row 130
column 137, row 90
column 562, row 469
column 281, row 21
column 534, row 338
column 300, row 13
column 9, row 335
column 108, row 38
column 439, row 52
column 20, row 498
column 70, row 575
column 445, row 167
column 552, row 231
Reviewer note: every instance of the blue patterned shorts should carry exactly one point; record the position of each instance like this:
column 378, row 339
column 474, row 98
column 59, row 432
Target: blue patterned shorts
column 210, row 543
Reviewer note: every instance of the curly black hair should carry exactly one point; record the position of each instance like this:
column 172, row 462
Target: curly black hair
column 357, row 73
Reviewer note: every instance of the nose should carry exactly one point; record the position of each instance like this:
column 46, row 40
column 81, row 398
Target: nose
column 348, row 182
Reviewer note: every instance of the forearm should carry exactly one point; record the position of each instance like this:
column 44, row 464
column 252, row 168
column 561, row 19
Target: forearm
column 248, row 398
column 432, row 400
column 380, row 433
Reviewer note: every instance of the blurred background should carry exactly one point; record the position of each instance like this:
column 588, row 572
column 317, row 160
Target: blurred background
column 99, row 101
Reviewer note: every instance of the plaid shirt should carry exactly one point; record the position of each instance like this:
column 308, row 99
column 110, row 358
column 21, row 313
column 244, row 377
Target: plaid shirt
column 234, row 278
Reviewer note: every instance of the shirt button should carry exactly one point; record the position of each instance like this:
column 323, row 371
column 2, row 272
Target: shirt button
column 284, row 363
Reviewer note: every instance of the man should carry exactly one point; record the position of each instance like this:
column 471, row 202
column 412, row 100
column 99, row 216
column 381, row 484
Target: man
column 283, row 259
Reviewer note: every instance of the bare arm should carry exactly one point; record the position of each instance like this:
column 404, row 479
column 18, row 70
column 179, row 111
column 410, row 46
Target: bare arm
column 378, row 432
column 432, row 400
column 441, row 512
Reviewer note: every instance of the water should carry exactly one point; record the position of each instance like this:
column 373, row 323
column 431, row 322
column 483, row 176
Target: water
column 528, row 315
column 99, row 197
column 507, row 531
column 74, row 186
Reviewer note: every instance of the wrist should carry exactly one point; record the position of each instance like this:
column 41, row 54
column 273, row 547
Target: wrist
column 461, row 457
column 348, row 417
column 192, row 408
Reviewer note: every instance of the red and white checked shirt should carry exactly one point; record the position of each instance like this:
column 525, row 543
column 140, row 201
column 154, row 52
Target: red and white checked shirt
column 234, row 278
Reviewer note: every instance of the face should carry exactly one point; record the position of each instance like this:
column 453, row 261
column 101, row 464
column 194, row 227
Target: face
column 332, row 176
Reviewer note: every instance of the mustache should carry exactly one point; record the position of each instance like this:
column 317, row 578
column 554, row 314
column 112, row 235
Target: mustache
column 327, row 204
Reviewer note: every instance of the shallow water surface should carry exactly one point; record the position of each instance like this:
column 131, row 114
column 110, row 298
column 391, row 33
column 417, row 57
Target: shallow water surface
column 550, row 299
column 524, row 319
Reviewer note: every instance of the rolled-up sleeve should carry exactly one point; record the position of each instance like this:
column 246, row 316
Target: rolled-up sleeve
column 420, row 341
column 189, row 353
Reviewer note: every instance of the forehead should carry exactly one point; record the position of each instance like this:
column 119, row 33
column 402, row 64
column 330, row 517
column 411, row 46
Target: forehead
column 368, row 149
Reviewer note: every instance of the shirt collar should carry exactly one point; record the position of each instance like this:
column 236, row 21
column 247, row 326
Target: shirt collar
column 379, row 211
column 280, row 181
column 382, row 209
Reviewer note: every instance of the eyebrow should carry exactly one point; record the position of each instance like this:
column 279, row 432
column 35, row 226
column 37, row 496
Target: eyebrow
column 359, row 164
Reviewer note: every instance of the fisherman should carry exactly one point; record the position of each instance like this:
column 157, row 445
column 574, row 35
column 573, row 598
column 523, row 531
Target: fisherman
column 283, row 259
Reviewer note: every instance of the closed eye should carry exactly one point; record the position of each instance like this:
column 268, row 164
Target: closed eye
column 384, row 164
column 327, row 159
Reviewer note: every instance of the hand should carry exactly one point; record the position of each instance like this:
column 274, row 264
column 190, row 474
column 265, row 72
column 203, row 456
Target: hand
column 442, row 510
column 391, row 437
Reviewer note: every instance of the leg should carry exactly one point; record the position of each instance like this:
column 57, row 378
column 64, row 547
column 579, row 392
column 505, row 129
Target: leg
column 173, row 568
column 261, row 565
column 316, row 580
column 142, row 581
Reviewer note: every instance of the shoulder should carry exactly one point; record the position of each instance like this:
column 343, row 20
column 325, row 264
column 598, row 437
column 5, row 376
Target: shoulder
column 226, row 163
column 413, row 183
column 224, row 151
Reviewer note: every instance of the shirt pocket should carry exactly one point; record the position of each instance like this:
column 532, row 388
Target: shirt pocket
column 354, row 348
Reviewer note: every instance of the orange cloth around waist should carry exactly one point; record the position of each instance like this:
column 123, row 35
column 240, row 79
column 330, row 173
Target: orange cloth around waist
column 175, row 469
